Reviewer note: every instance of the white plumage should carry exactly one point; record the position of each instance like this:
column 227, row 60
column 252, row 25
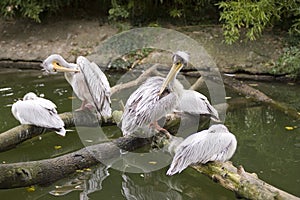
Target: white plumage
column 39, row 112
column 89, row 83
column 214, row 144
column 145, row 105
column 195, row 103
column 154, row 99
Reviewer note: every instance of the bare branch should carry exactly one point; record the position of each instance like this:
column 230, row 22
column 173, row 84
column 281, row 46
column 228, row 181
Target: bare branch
column 135, row 82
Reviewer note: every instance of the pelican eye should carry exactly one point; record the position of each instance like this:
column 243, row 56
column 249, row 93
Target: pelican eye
column 55, row 64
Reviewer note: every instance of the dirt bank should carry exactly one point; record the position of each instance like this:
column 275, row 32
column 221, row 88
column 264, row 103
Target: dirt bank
column 25, row 44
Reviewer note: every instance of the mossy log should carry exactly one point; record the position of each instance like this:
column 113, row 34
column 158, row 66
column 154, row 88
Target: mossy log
column 244, row 184
column 49, row 170
column 42, row 172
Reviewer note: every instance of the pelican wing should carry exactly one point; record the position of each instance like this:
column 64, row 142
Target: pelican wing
column 207, row 145
column 38, row 112
column 195, row 103
column 98, row 85
column 47, row 104
column 145, row 105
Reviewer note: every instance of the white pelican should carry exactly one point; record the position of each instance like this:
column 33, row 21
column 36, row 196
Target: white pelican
column 39, row 112
column 89, row 83
column 214, row 144
column 195, row 103
column 154, row 99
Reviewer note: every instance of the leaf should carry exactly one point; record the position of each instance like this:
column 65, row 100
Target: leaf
column 289, row 128
column 87, row 169
column 57, row 147
column 253, row 84
column 30, row 189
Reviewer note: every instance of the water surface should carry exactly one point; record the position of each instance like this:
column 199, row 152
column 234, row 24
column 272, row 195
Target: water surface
column 265, row 147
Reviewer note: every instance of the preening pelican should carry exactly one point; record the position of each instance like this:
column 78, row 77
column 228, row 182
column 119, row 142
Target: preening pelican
column 214, row 144
column 89, row 83
column 39, row 112
column 154, row 99
column 195, row 103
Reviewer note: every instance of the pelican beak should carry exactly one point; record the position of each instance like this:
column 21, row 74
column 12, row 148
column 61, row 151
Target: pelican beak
column 58, row 68
column 171, row 75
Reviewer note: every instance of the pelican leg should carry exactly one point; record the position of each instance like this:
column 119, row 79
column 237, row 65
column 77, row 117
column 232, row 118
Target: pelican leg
column 89, row 106
column 158, row 128
column 83, row 105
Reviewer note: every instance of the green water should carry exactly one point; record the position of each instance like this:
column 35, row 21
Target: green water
column 264, row 147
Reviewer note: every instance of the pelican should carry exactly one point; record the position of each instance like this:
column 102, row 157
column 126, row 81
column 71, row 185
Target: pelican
column 89, row 83
column 195, row 103
column 39, row 112
column 214, row 144
column 154, row 99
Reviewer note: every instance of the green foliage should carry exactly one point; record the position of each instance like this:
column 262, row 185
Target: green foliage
column 117, row 11
column 254, row 16
column 289, row 62
column 239, row 18
column 296, row 22
column 176, row 13
column 30, row 8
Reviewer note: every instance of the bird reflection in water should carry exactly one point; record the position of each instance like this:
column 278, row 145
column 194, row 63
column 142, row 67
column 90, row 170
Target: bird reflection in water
column 88, row 181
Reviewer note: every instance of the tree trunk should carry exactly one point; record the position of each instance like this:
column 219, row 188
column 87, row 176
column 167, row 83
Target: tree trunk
column 42, row 172
column 49, row 170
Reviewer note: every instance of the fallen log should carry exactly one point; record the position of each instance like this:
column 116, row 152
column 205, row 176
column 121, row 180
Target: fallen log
column 42, row 172
column 49, row 170
column 46, row 171
column 12, row 137
column 257, row 95
column 244, row 184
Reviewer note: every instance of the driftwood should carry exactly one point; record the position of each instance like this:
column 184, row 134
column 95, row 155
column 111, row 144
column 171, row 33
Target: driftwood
column 150, row 71
column 49, row 170
column 46, row 171
column 244, row 184
column 247, row 90
column 21, row 133
column 255, row 94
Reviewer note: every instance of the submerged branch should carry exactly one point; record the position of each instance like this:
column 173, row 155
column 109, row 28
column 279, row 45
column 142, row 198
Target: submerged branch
column 150, row 71
column 257, row 95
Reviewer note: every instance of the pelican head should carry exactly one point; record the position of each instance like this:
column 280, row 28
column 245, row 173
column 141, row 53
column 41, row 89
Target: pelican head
column 180, row 59
column 29, row 96
column 56, row 63
column 218, row 128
